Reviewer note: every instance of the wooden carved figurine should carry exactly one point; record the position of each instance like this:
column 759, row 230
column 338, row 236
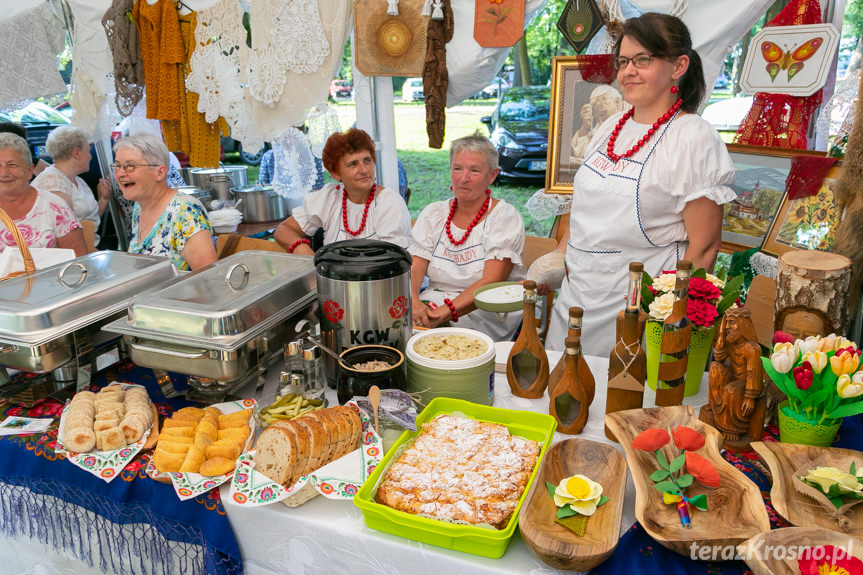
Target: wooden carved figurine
column 736, row 396
column 527, row 365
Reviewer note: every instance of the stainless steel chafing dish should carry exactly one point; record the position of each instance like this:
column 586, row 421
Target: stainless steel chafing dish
column 51, row 321
column 224, row 324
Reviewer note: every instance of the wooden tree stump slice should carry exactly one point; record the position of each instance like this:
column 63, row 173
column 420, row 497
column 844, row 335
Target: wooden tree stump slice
column 812, row 293
column 553, row 543
column 758, row 556
column 736, row 510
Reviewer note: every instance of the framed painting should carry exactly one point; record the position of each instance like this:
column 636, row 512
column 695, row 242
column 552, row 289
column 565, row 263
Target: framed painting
column 805, row 223
column 759, row 183
column 577, row 109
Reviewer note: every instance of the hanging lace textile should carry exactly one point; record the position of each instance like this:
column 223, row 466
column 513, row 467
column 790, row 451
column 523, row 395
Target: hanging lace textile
column 780, row 120
column 296, row 170
column 542, row 205
column 126, row 54
column 28, row 63
column 306, row 90
column 198, row 137
column 321, row 123
column 215, row 72
column 837, row 116
column 435, row 77
column 294, row 41
column 162, row 53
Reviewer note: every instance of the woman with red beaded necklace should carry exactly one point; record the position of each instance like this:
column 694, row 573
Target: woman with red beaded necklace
column 464, row 243
column 353, row 208
column 652, row 184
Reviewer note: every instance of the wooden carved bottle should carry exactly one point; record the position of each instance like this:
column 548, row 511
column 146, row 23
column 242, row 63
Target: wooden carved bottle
column 627, row 364
column 676, row 331
column 621, row 319
column 574, row 330
column 568, row 404
column 527, row 365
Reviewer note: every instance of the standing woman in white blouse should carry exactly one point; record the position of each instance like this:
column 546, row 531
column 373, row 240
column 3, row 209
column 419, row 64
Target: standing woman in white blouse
column 652, row 184
column 465, row 243
column 354, row 208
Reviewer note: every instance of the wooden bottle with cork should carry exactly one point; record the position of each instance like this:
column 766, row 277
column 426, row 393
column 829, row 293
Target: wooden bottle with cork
column 627, row 364
column 527, row 365
column 574, row 330
column 674, row 351
column 568, row 403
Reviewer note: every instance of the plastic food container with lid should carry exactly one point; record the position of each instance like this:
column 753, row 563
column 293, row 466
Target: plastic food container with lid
column 468, row 379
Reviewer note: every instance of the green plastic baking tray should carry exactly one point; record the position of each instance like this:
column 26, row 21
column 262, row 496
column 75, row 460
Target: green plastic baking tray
column 468, row 538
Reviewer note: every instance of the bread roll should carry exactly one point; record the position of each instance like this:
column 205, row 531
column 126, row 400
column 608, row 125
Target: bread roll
column 80, row 440
column 110, row 439
column 133, row 429
column 216, row 466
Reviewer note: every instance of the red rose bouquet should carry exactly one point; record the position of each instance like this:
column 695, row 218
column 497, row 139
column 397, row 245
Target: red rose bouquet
column 709, row 296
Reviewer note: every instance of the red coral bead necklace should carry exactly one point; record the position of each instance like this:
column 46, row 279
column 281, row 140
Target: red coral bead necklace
column 473, row 223
column 365, row 211
column 644, row 139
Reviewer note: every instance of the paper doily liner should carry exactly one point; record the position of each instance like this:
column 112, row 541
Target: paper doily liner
column 190, row 485
column 106, row 465
column 340, row 479
column 542, row 206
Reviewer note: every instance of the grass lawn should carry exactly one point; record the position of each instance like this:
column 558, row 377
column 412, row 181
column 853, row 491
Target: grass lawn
column 427, row 168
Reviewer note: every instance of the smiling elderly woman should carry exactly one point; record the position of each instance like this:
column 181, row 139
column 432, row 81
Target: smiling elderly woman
column 164, row 222
column 44, row 220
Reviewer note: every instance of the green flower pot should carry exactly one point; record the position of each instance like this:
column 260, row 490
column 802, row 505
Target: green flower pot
column 700, row 345
column 795, row 428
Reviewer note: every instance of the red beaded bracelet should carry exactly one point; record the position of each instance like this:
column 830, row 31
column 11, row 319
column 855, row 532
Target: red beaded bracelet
column 451, row 306
column 298, row 242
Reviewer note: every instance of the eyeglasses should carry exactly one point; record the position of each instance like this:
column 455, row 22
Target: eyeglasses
column 638, row 61
column 129, row 167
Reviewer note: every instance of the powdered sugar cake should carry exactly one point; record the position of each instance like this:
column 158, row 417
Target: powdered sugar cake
column 462, row 471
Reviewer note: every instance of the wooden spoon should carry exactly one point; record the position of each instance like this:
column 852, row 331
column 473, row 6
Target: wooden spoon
column 375, row 400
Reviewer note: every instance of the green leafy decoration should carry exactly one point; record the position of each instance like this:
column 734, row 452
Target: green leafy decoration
column 551, row 488
column 730, row 292
column 602, row 500
column 646, row 296
column 677, row 463
column 666, row 487
column 660, row 457
column 684, row 481
column 565, row 511
column 846, row 410
column 836, row 501
column 659, row 475
column 700, row 273
column 699, row 502
column 853, row 469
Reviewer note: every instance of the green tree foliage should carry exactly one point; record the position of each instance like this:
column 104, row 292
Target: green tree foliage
column 544, row 41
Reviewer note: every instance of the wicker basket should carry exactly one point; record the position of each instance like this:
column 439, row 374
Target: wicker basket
column 29, row 266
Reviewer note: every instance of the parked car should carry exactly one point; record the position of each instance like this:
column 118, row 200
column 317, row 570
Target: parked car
column 519, row 131
column 340, row 89
column 40, row 120
column 721, row 82
column 495, row 88
column 252, row 158
column 412, row 90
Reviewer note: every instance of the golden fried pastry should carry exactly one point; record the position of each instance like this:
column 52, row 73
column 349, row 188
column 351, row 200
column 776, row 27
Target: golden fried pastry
column 193, row 461
column 189, row 414
column 214, row 410
column 227, row 448
column 178, row 432
column 238, row 433
column 236, row 419
column 201, row 441
column 167, row 462
column 208, row 429
column 177, row 445
column 216, row 466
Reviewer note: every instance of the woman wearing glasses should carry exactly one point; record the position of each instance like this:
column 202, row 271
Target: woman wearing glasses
column 652, row 184
column 44, row 220
column 164, row 222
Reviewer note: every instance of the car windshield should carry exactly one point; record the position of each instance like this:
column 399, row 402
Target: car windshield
column 525, row 106
column 38, row 112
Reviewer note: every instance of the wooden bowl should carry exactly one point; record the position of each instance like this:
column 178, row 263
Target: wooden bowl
column 553, row 543
column 756, row 554
column 784, row 459
column 736, row 510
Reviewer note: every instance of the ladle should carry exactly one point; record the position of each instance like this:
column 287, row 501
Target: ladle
column 335, row 356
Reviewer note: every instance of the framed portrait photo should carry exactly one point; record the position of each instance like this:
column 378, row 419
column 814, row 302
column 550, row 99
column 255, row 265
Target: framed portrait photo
column 577, row 109
column 806, row 223
column 759, row 183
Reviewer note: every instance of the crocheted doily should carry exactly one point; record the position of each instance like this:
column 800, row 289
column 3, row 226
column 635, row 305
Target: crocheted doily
column 296, row 171
column 542, row 206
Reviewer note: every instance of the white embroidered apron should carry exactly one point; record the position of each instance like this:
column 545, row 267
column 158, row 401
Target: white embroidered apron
column 607, row 232
column 453, row 268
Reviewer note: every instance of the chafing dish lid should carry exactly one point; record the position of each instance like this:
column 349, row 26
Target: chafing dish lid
column 62, row 298
column 228, row 299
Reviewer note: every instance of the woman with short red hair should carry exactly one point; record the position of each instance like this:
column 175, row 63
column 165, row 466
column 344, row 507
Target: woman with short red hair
column 353, row 208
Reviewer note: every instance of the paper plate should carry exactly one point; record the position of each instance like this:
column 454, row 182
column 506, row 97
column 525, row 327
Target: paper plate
column 499, row 297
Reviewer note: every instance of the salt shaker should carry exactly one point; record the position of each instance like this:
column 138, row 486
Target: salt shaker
column 294, row 362
column 313, row 369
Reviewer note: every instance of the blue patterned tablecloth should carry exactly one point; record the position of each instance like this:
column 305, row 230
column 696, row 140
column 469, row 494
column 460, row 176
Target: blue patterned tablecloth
column 132, row 524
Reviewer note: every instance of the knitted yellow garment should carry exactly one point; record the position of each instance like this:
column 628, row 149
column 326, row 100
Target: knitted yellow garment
column 162, row 53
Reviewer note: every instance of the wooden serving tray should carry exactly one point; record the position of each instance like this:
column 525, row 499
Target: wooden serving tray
column 553, row 543
column 736, row 510
column 756, row 554
column 783, row 459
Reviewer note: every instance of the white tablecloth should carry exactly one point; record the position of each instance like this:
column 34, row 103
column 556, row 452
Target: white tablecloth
column 326, row 536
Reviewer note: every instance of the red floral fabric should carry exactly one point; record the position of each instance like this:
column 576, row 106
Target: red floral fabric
column 806, row 175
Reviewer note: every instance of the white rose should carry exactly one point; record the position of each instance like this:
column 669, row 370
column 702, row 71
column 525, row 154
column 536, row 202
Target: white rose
column 579, row 492
column 660, row 307
column 715, row 281
column 665, row 282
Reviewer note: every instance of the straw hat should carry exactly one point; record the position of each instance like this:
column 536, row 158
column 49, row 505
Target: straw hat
column 389, row 45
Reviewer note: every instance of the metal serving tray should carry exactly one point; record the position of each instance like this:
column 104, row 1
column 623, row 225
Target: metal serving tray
column 225, row 305
column 58, row 300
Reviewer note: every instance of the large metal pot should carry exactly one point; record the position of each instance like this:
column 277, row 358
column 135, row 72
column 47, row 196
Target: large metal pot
column 261, row 204
column 203, row 196
column 205, row 177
